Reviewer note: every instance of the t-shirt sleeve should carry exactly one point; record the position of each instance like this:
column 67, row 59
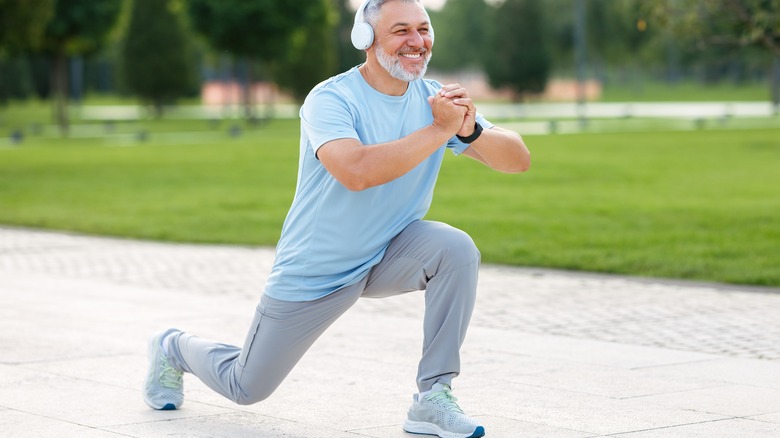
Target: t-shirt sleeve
column 457, row 147
column 325, row 116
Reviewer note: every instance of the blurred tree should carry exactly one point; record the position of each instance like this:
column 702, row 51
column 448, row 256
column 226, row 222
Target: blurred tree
column 253, row 29
column 78, row 27
column 736, row 23
column 311, row 57
column 156, row 61
column 613, row 28
column 519, row 59
column 22, row 23
column 461, row 31
column 348, row 55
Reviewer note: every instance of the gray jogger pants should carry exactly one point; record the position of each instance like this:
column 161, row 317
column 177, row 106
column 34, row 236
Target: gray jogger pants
column 429, row 256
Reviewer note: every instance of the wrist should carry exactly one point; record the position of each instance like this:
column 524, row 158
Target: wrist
column 442, row 132
column 474, row 135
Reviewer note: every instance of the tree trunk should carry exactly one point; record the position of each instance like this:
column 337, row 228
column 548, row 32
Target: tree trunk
column 775, row 81
column 59, row 82
column 246, row 89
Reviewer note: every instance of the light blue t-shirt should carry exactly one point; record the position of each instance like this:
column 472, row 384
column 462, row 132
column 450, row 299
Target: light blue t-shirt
column 333, row 236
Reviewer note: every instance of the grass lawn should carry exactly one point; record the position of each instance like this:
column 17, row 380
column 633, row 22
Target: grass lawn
column 694, row 205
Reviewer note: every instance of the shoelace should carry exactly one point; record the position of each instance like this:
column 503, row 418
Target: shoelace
column 169, row 377
column 445, row 399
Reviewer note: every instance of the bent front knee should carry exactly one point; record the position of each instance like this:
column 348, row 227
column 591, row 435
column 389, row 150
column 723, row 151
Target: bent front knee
column 246, row 399
column 460, row 249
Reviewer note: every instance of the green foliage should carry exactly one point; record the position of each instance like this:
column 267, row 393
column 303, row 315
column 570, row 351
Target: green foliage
column 716, row 22
column 519, row 58
column 22, row 23
column 80, row 26
column 348, row 56
column 258, row 29
column 156, row 61
column 462, row 35
column 732, row 23
column 310, row 57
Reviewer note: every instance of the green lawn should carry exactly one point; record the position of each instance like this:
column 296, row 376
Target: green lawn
column 694, row 205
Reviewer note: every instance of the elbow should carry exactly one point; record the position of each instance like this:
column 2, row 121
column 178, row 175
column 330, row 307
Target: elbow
column 521, row 163
column 355, row 181
column 355, row 185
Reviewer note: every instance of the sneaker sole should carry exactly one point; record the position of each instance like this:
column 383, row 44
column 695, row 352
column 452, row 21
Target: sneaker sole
column 424, row 428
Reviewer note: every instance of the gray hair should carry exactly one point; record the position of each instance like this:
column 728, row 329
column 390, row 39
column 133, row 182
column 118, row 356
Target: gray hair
column 373, row 10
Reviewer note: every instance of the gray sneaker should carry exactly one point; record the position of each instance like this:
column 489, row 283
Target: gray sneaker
column 437, row 413
column 164, row 384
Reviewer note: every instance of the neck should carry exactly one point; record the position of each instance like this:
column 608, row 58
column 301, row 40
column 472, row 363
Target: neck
column 380, row 80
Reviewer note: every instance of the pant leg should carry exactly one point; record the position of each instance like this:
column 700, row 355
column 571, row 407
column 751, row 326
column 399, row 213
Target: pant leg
column 280, row 333
column 445, row 262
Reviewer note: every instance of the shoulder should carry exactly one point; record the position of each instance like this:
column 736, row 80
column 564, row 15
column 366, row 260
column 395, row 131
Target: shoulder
column 342, row 83
column 341, row 90
column 430, row 85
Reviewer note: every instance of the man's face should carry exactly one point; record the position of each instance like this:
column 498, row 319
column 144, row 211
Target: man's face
column 403, row 40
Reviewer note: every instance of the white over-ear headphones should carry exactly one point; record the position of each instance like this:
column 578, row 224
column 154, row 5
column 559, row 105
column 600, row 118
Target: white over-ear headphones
column 362, row 32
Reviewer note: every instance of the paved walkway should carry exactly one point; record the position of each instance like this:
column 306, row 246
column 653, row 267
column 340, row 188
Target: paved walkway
column 549, row 353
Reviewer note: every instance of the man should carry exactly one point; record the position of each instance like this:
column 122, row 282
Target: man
column 372, row 142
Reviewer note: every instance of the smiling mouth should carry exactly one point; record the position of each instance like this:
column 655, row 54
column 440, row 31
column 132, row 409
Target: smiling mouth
column 416, row 55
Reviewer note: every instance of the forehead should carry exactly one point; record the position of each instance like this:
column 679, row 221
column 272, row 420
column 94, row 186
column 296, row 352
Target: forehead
column 405, row 13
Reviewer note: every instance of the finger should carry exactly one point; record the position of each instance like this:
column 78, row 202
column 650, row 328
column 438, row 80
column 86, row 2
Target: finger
column 458, row 94
column 447, row 88
column 464, row 101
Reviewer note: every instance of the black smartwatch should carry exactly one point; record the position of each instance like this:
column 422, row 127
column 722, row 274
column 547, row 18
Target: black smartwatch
column 474, row 135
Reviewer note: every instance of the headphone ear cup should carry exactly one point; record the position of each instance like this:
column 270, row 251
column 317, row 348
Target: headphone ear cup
column 362, row 36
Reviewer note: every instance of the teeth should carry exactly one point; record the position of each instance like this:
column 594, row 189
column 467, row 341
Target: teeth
column 411, row 55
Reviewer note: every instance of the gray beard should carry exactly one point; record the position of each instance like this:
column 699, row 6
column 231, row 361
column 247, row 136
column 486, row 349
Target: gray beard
column 396, row 70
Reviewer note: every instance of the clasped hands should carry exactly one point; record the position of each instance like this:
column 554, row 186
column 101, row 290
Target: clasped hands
column 453, row 110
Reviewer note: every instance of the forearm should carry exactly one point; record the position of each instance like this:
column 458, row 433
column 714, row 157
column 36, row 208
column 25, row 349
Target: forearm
column 501, row 150
column 359, row 167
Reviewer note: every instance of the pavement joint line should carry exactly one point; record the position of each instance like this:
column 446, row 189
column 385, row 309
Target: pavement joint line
column 665, row 365
column 672, row 426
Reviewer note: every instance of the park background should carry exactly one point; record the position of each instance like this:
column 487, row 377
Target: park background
column 653, row 125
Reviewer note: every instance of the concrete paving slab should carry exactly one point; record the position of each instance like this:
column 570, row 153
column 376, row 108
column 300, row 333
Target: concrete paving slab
column 548, row 354
column 585, row 351
column 234, row 425
column 729, row 428
column 14, row 424
column 742, row 401
column 612, row 382
column 768, row 418
column 752, row 372
column 580, row 412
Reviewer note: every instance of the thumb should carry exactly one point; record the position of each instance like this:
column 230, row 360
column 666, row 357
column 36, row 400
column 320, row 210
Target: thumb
column 430, row 100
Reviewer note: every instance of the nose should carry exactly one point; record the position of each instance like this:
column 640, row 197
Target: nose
column 415, row 39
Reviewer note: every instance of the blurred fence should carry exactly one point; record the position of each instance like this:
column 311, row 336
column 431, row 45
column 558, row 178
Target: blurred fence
column 686, row 110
